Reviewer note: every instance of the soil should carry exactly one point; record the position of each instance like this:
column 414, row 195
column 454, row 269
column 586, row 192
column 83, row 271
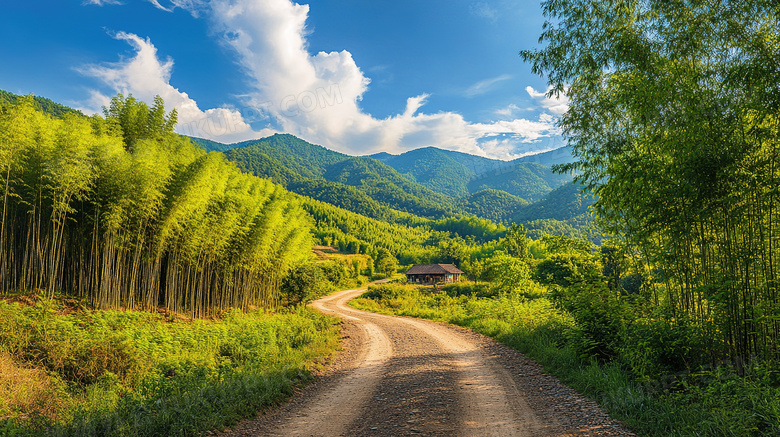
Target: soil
column 399, row 376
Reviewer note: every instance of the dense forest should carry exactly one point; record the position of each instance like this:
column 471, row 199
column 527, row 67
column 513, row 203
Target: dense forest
column 122, row 210
column 674, row 121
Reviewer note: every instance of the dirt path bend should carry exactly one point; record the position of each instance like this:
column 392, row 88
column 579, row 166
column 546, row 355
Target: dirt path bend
column 402, row 376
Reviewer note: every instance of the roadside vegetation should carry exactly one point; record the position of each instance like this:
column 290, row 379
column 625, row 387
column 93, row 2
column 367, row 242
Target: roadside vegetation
column 67, row 369
column 147, row 287
column 610, row 344
column 150, row 287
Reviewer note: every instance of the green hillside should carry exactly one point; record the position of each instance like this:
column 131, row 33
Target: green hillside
column 42, row 104
column 564, row 211
column 458, row 174
column 563, row 203
column 433, row 168
column 560, row 155
column 209, row 145
column 427, row 182
column 388, row 187
column 343, row 196
column 491, row 204
column 303, row 158
column 527, row 180
column 360, row 184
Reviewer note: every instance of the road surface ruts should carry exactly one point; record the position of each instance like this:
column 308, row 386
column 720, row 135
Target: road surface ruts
column 403, row 376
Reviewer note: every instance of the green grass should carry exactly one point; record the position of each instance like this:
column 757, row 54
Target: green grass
column 713, row 403
column 68, row 370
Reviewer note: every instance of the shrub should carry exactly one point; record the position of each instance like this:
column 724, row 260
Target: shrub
column 131, row 373
column 654, row 347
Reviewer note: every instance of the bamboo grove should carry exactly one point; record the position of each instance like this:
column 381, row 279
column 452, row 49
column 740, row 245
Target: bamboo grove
column 121, row 210
column 675, row 118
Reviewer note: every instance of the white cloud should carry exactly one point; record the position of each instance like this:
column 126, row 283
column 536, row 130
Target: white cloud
column 194, row 6
column 269, row 38
column 145, row 76
column 485, row 86
column 101, row 2
column 483, row 10
column 314, row 96
column 557, row 106
column 508, row 111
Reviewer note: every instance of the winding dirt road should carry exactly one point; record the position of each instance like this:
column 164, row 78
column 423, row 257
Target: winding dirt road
column 402, row 376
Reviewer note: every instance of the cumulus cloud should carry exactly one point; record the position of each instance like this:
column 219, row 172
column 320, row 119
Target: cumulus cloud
column 508, row 111
column 315, row 96
column 557, row 105
column 145, row 76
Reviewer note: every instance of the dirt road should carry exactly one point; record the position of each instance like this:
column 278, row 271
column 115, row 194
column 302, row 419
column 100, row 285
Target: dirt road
column 401, row 376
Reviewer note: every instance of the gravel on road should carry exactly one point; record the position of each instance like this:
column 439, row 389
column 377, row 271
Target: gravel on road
column 399, row 376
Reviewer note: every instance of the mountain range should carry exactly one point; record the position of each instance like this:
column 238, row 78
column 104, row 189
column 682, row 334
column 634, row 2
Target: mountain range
column 429, row 182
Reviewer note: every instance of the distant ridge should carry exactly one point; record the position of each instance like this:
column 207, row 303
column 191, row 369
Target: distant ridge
column 561, row 155
column 48, row 106
column 460, row 175
column 360, row 184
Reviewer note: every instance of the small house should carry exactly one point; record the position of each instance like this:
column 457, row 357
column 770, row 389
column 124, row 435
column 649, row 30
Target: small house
column 433, row 274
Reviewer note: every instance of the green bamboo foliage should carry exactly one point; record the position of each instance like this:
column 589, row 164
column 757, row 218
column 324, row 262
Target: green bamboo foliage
column 675, row 118
column 125, row 212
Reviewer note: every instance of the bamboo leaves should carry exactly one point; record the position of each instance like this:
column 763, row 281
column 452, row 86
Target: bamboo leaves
column 127, row 213
column 674, row 117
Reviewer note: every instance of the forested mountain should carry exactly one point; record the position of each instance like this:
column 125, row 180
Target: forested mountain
column 491, row 204
column 388, row 187
column 355, row 233
column 563, row 203
column 427, row 182
column 561, row 155
column 209, row 145
column 563, row 211
column 432, row 167
column 528, row 180
column 459, row 174
column 360, row 184
column 344, row 196
column 301, row 157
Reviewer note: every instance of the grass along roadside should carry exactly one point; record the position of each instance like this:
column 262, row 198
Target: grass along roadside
column 69, row 370
column 708, row 403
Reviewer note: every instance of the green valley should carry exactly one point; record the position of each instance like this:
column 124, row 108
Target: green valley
column 157, row 284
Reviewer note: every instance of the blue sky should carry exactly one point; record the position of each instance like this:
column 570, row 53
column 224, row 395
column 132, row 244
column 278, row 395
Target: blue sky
column 355, row 76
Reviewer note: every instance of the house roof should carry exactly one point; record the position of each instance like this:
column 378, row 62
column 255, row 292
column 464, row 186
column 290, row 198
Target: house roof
column 433, row 269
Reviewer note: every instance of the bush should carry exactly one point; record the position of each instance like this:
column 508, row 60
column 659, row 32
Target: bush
column 654, row 347
column 133, row 373
column 600, row 318
column 464, row 289
column 307, row 282
column 565, row 269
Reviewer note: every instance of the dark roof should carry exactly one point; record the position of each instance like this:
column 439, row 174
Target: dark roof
column 433, row 269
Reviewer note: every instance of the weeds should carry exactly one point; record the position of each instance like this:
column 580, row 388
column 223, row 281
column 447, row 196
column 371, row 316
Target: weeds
column 132, row 373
